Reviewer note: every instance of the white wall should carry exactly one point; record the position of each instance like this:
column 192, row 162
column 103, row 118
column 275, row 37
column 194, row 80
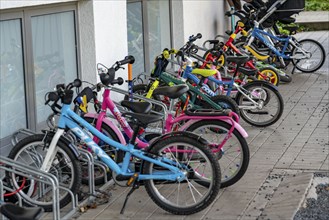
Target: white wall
column 110, row 19
column 205, row 17
column 5, row 4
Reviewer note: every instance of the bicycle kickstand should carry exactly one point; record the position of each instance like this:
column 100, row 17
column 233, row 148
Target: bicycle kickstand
column 135, row 185
column 293, row 69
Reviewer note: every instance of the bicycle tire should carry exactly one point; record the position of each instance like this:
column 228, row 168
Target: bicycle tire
column 233, row 171
column 263, row 91
column 226, row 102
column 39, row 150
column 286, row 78
column 184, row 207
column 118, row 156
column 270, row 72
column 322, row 52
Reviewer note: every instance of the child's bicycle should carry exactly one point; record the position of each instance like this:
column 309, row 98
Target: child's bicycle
column 229, row 143
column 307, row 55
column 172, row 168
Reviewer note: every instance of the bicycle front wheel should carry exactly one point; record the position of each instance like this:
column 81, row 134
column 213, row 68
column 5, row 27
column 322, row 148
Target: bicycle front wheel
column 65, row 166
column 316, row 54
column 269, row 73
column 233, row 156
column 196, row 161
column 269, row 104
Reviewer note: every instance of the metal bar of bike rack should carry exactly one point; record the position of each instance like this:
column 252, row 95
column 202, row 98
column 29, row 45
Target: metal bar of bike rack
column 164, row 107
column 41, row 176
column 90, row 160
column 2, row 196
column 14, row 139
column 103, row 166
column 74, row 204
column 19, row 197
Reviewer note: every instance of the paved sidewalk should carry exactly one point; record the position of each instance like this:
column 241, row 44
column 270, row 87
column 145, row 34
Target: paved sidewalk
column 283, row 160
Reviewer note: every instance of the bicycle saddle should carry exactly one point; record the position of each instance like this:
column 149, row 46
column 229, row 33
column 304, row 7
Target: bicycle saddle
column 137, row 107
column 204, row 72
column 15, row 212
column 238, row 60
column 247, row 71
column 172, row 92
column 213, row 41
column 143, row 119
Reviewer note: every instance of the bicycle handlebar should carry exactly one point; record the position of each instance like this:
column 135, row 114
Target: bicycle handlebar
column 128, row 59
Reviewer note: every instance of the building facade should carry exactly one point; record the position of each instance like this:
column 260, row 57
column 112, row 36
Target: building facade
column 43, row 43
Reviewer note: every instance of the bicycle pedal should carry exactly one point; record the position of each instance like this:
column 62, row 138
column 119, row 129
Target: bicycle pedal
column 132, row 179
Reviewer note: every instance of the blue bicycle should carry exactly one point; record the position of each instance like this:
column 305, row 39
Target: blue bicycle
column 173, row 169
column 307, row 55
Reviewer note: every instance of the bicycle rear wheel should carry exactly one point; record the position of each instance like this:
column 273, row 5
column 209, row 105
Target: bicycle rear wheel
column 65, row 166
column 269, row 100
column 233, row 157
column 187, row 196
column 316, row 52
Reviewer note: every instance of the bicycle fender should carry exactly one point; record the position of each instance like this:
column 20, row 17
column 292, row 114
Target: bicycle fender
column 50, row 134
column 236, row 125
column 259, row 82
column 179, row 133
column 109, row 123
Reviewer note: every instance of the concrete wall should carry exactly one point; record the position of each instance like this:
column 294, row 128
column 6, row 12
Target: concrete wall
column 205, row 17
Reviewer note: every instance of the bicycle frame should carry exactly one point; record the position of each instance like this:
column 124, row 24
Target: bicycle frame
column 69, row 119
column 170, row 121
column 259, row 34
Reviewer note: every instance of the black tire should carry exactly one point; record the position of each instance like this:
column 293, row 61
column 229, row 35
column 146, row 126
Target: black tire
column 65, row 166
column 158, row 190
column 233, row 167
column 266, row 93
column 142, row 89
column 286, row 78
column 113, row 153
column 321, row 51
column 225, row 102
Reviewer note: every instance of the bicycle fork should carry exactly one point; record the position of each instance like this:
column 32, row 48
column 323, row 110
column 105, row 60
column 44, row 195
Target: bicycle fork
column 52, row 150
column 256, row 105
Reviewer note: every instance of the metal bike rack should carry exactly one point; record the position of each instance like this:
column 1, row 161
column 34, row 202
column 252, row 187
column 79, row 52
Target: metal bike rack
column 12, row 166
column 103, row 166
column 24, row 131
column 88, row 157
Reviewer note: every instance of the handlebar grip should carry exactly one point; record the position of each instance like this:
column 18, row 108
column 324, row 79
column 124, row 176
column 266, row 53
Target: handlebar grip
column 194, row 38
column 128, row 59
column 77, row 83
column 118, row 81
column 52, row 97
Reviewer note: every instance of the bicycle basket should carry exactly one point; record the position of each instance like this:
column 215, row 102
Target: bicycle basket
column 160, row 65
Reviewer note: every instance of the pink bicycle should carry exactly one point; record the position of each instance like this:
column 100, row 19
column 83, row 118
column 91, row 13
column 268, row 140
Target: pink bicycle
column 221, row 129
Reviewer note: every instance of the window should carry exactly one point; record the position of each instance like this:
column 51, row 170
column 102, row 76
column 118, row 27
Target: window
column 148, row 24
column 38, row 50
column 12, row 90
column 54, row 55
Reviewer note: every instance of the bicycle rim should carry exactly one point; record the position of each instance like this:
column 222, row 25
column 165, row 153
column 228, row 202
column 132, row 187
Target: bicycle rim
column 317, row 56
column 36, row 192
column 187, row 196
column 271, row 106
